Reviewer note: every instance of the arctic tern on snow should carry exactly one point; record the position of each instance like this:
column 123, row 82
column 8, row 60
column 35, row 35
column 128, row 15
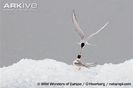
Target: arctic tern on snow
column 82, row 35
column 80, row 64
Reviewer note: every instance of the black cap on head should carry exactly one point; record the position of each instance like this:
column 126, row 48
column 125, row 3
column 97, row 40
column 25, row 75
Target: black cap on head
column 79, row 56
column 82, row 45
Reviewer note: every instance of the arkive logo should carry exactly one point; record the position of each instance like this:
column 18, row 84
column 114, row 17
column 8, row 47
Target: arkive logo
column 21, row 5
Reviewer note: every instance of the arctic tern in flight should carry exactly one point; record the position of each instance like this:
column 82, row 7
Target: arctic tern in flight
column 84, row 38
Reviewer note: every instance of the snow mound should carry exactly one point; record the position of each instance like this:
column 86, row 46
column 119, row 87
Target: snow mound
column 48, row 73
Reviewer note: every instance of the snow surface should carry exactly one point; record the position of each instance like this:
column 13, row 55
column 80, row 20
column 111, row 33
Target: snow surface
column 28, row 73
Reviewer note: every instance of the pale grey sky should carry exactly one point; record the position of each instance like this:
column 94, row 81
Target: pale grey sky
column 48, row 32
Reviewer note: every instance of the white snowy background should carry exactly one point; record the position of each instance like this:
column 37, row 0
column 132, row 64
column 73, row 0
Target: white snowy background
column 28, row 73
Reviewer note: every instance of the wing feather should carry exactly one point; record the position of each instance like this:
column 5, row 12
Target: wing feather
column 92, row 35
column 77, row 27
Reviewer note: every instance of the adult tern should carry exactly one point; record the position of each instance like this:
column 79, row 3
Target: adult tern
column 84, row 38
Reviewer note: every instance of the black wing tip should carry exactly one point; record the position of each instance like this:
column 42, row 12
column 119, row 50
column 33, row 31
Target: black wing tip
column 73, row 15
column 74, row 12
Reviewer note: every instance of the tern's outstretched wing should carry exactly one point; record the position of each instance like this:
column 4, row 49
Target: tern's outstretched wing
column 78, row 29
column 90, row 36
